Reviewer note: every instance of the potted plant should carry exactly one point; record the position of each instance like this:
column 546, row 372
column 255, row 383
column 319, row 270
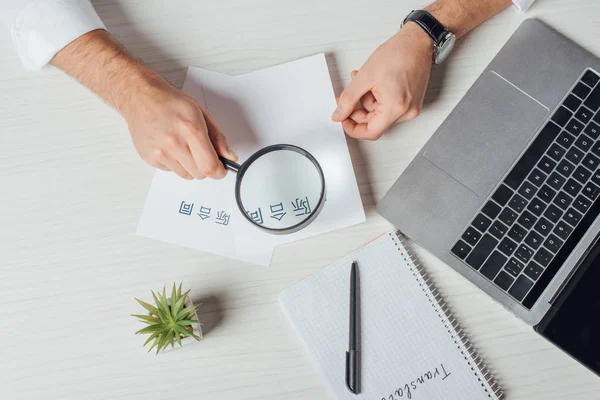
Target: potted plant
column 170, row 320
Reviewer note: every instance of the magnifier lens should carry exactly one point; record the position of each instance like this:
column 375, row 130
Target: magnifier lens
column 280, row 189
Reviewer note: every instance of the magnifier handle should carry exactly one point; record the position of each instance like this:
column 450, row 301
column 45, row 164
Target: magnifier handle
column 230, row 165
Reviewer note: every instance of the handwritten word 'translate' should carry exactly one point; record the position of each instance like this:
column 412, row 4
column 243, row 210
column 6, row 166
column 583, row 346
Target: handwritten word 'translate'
column 407, row 390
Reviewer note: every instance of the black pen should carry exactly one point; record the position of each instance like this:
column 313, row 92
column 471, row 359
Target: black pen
column 352, row 361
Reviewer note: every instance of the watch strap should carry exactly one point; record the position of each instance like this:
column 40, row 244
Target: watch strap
column 429, row 23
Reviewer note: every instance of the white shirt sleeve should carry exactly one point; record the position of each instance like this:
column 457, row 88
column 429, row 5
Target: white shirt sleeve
column 522, row 5
column 41, row 28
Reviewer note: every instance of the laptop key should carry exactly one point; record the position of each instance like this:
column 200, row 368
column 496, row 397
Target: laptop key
column 562, row 116
column 574, row 155
column 581, row 90
column 596, row 177
column 533, row 271
column 493, row 265
column 517, row 203
column 527, row 190
column 533, row 240
column 517, row 233
column 507, row 246
column 481, row 222
column 504, row 280
column 572, row 217
column 593, row 102
column 584, row 114
column 543, row 257
column 508, row 216
column 596, row 146
column 546, row 164
column 563, row 200
column 491, row 209
column 565, row 168
column 481, row 251
column 572, row 102
column 582, row 174
column 566, row 139
column 502, row 194
column 514, row 267
column 498, row 229
column 590, row 78
column 537, row 177
column 573, row 187
column 471, row 236
column 527, row 219
column 523, row 253
column 582, row 204
column 461, row 249
column 584, row 142
column 556, row 181
column 553, row 213
column 536, row 206
column 591, row 161
column 556, row 152
column 553, row 243
column 531, row 156
column 546, row 193
column 520, row 288
column 575, row 127
column 562, row 230
column 543, row 226
column 590, row 191
column 593, row 130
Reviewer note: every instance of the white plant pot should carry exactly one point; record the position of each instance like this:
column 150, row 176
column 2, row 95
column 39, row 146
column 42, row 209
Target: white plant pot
column 196, row 328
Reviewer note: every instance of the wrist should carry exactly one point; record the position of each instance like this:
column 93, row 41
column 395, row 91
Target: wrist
column 418, row 37
column 461, row 17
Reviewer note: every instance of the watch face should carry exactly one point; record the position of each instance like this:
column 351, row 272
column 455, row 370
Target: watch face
column 445, row 48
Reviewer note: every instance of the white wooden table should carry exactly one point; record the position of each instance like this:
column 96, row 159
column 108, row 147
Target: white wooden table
column 72, row 188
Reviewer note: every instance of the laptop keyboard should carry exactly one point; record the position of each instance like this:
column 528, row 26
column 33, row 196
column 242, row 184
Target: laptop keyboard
column 540, row 211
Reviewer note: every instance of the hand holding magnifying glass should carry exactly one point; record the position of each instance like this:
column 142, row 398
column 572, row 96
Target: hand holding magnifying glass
column 280, row 189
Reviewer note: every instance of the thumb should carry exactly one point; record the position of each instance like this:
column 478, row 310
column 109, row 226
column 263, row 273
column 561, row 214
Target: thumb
column 350, row 97
column 218, row 139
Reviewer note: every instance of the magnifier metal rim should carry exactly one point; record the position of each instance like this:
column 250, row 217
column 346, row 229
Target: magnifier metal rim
column 262, row 152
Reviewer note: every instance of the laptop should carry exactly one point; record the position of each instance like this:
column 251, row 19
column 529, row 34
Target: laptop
column 507, row 190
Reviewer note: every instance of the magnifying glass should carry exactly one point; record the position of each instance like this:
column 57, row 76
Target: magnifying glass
column 280, row 189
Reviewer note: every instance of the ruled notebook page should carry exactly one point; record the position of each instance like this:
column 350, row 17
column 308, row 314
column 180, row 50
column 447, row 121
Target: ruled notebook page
column 406, row 350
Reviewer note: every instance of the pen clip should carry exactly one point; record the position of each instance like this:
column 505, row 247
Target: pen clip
column 351, row 372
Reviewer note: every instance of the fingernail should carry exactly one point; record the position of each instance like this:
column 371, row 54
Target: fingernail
column 232, row 155
column 337, row 114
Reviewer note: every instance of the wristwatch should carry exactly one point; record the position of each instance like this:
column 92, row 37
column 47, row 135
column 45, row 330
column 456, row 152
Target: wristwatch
column 443, row 39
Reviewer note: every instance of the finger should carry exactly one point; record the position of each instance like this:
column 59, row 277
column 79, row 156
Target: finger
column 184, row 157
column 368, row 101
column 353, row 73
column 373, row 129
column 204, row 154
column 174, row 166
column 350, row 97
column 359, row 116
column 219, row 139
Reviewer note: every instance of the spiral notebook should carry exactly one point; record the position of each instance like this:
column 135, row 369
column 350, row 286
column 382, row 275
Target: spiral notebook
column 411, row 347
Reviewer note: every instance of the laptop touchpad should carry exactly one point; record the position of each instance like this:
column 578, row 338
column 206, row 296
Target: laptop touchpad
column 484, row 134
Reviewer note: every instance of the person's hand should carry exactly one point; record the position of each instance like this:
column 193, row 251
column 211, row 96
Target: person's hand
column 391, row 85
column 171, row 131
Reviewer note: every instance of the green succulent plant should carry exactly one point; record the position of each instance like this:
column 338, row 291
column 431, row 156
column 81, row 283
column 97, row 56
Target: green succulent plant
column 168, row 321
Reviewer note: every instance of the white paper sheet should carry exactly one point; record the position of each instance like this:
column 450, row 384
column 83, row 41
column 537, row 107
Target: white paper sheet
column 289, row 103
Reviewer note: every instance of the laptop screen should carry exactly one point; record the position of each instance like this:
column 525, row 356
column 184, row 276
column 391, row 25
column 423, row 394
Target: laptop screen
column 573, row 324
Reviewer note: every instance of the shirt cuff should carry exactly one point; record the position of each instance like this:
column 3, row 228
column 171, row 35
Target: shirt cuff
column 522, row 5
column 43, row 28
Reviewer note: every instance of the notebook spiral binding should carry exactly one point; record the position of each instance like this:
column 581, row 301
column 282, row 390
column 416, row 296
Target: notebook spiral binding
column 470, row 354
